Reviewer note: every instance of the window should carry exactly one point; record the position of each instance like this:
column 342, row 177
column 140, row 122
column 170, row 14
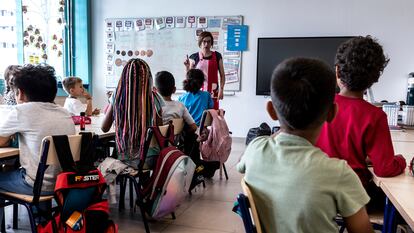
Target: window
column 55, row 32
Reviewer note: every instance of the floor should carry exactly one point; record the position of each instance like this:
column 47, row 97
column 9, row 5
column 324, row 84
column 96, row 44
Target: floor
column 207, row 210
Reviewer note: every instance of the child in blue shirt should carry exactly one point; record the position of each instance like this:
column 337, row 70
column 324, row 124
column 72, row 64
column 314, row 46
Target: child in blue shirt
column 195, row 100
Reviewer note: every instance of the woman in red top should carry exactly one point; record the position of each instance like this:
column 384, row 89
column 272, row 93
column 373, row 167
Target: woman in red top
column 360, row 130
column 211, row 63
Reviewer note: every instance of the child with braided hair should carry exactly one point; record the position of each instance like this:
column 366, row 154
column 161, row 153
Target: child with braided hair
column 135, row 107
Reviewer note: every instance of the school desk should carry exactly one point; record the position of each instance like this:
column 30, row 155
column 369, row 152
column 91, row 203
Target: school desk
column 399, row 189
column 6, row 152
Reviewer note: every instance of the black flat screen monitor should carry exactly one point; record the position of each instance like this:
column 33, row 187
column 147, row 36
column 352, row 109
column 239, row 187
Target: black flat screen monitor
column 272, row 51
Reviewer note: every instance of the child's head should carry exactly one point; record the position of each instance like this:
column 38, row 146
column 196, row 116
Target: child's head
column 136, row 106
column 302, row 92
column 360, row 62
column 73, row 86
column 9, row 73
column 36, row 83
column 165, row 83
column 194, row 80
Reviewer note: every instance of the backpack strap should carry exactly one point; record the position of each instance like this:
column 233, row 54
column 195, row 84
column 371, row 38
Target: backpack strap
column 164, row 140
column 87, row 153
column 63, row 152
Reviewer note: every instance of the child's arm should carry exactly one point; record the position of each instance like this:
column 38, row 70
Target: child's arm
column 88, row 97
column 210, row 102
column 4, row 141
column 108, row 120
column 222, row 80
column 379, row 148
column 359, row 222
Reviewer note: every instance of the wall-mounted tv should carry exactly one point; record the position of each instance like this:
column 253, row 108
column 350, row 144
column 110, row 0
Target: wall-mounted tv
column 272, row 51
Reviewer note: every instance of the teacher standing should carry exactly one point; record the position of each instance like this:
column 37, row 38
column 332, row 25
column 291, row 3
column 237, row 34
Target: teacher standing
column 211, row 63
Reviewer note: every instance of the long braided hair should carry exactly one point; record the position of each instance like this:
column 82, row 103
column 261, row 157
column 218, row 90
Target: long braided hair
column 137, row 106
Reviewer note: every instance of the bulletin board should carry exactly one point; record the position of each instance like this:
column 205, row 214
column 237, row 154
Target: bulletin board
column 164, row 43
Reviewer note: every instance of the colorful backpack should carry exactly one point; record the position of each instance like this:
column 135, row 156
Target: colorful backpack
column 78, row 193
column 171, row 179
column 217, row 147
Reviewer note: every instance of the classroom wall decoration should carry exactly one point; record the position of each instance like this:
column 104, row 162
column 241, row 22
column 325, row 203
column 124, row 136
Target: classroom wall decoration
column 164, row 43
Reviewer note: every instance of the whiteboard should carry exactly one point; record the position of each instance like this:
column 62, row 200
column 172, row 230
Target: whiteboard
column 164, row 42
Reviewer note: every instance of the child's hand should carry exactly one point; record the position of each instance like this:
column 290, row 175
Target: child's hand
column 96, row 111
column 87, row 95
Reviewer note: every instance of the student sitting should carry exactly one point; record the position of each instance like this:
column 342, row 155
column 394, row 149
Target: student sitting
column 34, row 117
column 195, row 100
column 9, row 73
column 135, row 106
column 360, row 130
column 165, row 84
column 297, row 188
column 74, row 87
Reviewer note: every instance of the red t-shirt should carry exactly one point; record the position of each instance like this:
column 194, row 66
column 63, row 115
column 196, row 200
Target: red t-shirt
column 360, row 130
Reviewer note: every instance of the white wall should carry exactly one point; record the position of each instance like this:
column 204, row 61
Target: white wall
column 389, row 21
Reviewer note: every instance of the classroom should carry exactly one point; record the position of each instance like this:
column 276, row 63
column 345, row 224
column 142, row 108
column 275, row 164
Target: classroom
column 83, row 39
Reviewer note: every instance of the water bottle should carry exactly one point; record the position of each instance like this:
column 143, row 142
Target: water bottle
column 410, row 89
column 82, row 121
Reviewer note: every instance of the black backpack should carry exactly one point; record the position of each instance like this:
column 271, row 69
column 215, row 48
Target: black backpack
column 263, row 129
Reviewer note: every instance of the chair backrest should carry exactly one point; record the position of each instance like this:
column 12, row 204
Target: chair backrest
column 178, row 125
column 253, row 210
column 163, row 130
column 75, row 147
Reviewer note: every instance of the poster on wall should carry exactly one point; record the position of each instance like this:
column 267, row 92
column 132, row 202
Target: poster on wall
column 164, row 43
column 180, row 21
column 169, row 22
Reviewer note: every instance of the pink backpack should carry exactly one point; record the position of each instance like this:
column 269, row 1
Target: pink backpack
column 217, row 147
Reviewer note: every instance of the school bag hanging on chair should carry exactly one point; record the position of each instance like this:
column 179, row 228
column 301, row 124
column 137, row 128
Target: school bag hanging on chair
column 78, row 192
column 217, row 147
column 171, row 179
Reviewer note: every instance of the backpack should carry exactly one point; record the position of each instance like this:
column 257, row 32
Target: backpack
column 171, row 179
column 217, row 147
column 263, row 129
column 78, row 193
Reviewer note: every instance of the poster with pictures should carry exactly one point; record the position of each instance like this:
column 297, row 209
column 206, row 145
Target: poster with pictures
column 128, row 25
column 149, row 23
column 214, row 23
column 191, row 22
column 139, row 25
column 169, row 22
column 109, row 26
column 180, row 22
column 201, row 22
column 119, row 26
column 109, row 69
column 109, row 59
column 110, row 47
column 110, row 37
column 159, row 23
column 162, row 41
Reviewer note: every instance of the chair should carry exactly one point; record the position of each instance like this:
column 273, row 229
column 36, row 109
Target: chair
column 207, row 120
column 135, row 182
column 32, row 202
column 248, row 210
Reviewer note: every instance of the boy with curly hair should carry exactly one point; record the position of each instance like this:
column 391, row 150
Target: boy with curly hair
column 360, row 129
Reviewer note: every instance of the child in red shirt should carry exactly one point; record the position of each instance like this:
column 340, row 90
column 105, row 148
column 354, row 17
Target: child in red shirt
column 360, row 130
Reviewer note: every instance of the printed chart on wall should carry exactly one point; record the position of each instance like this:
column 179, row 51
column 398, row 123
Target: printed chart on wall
column 164, row 43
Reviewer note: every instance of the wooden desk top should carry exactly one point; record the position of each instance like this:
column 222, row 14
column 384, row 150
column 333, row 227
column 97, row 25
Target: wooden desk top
column 8, row 152
column 401, row 196
column 403, row 136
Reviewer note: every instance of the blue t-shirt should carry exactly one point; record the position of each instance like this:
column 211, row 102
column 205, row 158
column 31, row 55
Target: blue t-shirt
column 197, row 103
